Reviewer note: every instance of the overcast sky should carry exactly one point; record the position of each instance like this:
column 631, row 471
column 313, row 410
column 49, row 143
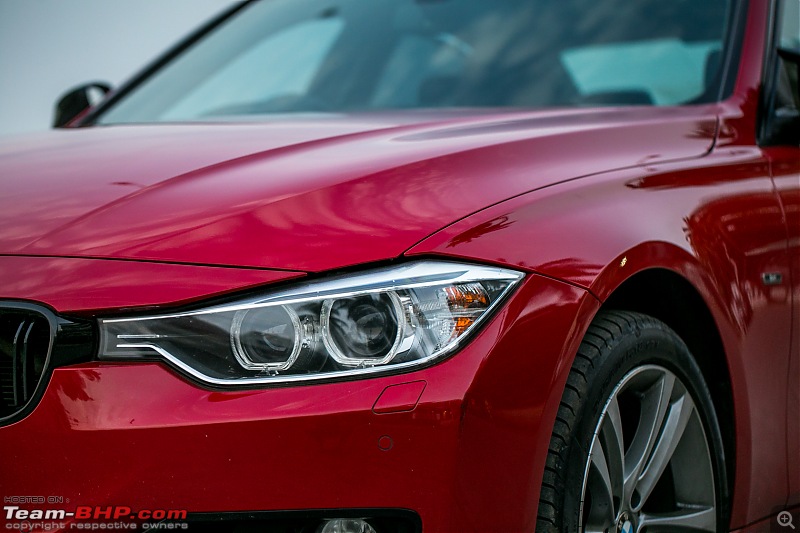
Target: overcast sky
column 49, row 46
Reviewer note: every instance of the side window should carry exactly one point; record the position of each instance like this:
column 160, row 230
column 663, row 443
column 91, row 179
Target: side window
column 628, row 68
column 649, row 52
column 781, row 99
column 789, row 33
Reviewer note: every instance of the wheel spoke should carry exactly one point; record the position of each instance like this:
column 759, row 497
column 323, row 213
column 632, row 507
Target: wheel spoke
column 614, row 445
column 601, row 513
column 680, row 411
column 606, row 462
column 601, row 467
column 655, row 403
column 694, row 519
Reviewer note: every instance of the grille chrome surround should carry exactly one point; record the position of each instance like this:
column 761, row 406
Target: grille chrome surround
column 33, row 341
column 26, row 342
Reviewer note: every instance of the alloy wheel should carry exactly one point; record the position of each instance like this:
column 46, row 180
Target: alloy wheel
column 649, row 466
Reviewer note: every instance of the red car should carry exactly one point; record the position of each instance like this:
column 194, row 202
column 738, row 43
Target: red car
column 415, row 266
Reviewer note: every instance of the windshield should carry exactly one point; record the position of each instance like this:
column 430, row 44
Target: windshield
column 339, row 56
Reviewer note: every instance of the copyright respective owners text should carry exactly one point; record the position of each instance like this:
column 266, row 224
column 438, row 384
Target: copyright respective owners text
column 57, row 513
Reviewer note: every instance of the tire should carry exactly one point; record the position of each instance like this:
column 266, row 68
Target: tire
column 634, row 377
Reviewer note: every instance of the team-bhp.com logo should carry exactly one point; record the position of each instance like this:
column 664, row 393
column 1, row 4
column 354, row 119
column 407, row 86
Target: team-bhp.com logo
column 119, row 518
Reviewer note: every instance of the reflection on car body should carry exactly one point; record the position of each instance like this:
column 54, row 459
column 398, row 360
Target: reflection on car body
column 415, row 265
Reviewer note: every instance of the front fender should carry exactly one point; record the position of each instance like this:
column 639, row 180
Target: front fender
column 716, row 221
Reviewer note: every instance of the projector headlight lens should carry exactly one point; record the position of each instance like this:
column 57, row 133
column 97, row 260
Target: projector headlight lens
column 366, row 323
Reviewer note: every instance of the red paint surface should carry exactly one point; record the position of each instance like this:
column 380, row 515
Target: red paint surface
column 100, row 219
column 141, row 436
column 304, row 195
column 82, row 285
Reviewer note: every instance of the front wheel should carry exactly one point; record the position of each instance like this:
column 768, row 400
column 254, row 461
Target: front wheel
column 636, row 446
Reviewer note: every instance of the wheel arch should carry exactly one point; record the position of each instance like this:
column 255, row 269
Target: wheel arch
column 668, row 296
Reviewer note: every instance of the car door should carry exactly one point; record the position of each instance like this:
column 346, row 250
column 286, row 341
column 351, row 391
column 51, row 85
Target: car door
column 780, row 137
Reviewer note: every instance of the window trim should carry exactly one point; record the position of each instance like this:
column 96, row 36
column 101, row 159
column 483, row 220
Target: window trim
column 733, row 44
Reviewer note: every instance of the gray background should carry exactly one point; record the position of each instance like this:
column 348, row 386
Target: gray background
column 49, row 46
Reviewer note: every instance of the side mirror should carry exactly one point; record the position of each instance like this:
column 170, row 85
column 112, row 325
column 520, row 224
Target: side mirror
column 77, row 100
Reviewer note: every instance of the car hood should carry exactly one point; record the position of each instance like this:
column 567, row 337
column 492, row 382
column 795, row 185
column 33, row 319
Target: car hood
column 308, row 193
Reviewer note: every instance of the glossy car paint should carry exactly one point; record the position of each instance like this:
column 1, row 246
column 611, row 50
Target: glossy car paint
column 79, row 285
column 139, row 435
column 105, row 219
column 327, row 196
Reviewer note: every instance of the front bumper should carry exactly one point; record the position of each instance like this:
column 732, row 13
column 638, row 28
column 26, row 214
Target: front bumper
column 467, row 456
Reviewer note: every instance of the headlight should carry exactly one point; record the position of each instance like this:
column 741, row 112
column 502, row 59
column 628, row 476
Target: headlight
column 377, row 321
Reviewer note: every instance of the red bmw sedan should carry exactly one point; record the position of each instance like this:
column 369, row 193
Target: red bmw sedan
column 405, row 266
